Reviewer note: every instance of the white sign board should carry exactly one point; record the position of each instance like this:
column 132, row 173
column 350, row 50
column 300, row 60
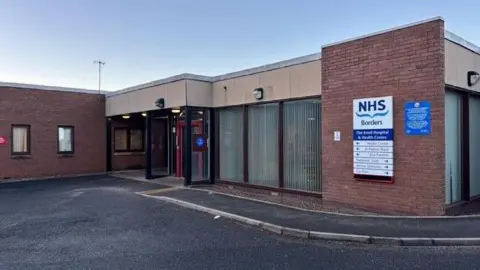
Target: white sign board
column 336, row 136
column 373, row 137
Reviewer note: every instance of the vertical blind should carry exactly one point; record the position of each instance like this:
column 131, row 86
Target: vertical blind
column 302, row 145
column 231, row 144
column 453, row 165
column 474, row 117
column 263, row 145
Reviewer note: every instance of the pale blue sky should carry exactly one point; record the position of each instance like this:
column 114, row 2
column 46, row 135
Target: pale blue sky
column 55, row 42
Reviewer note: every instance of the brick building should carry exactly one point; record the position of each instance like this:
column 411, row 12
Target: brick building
column 290, row 126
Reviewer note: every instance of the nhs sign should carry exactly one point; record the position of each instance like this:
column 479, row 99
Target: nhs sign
column 373, row 113
column 373, row 155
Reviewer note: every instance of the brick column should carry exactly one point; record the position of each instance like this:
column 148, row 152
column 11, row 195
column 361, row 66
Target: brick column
column 408, row 64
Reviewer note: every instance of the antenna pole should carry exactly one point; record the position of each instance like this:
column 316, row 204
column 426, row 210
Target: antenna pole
column 100, row 64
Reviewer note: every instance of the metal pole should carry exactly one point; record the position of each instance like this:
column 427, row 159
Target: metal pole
column 100, row 64
column 148, row 150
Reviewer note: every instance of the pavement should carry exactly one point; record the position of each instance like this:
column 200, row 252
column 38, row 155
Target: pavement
column 321, row 225
column 102, row 223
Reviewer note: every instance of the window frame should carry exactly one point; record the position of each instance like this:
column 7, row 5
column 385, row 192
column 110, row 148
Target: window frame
column 72, row 139
column 129, row 136
column 28, row 152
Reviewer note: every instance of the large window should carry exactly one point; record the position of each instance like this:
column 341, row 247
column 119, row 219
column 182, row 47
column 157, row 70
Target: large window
column 263, row 144
column 453, row 147
column 128, row 140
column 20, row 139
column 474, row 117
column 65, row 141
column 231, row 144
column 302, row 145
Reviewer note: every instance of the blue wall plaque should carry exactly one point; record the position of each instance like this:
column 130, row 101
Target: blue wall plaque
column 418, row 118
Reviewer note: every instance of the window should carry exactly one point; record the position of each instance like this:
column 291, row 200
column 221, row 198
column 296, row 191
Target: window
column 231, row 144
column 65, row 140
column 263, row 144
column 474, row 111
column 453, row 147
column 128, row 140
column 136, row 140
column 20, row 139
column 301, row 145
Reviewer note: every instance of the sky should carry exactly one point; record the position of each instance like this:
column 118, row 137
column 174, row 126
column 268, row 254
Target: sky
column 55, row 42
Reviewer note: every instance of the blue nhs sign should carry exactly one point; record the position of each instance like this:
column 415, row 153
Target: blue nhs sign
column 373, row 113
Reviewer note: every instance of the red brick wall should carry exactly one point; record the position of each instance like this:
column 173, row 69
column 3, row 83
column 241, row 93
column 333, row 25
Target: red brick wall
column 409, row 65
column 44, row 111
column 127, row 161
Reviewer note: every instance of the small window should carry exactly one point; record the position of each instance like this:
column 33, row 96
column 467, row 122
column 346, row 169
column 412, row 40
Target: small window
column 20, row 139
column 128, row 140
column 65, row 143
column 136, row 140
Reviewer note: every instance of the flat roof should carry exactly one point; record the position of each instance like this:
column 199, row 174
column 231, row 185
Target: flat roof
column 49, row 88
column 385, row 31
column 264, row 68
column 211, row 79
column 462, row 42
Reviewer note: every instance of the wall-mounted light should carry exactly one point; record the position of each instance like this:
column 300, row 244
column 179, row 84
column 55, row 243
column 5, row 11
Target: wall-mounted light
column 160, row 103
column 472, row 78
column 126, row 116
column 258, row 93
column 175, row 110
column 225, row 88
column 144, row 114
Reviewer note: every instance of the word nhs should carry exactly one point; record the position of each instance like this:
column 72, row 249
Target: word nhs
column 371, row 105
column 368, row 110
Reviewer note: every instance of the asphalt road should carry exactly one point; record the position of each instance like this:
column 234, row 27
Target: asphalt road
column 100, row 223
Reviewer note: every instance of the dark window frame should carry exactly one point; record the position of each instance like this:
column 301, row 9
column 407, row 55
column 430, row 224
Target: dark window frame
column 72, row 139
column 26, row 153
column 129, row 136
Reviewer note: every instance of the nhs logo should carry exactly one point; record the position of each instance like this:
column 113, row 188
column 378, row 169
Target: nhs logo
column 373, row 113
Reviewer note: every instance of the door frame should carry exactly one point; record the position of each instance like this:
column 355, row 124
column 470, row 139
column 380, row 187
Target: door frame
column 187, row 144
column 180, row 128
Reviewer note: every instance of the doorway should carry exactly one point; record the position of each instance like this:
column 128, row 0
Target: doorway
column 160, row 146
column 180, row 143
column 198, row 161
column 194, row 146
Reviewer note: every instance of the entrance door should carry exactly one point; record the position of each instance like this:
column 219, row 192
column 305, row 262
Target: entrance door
column 160, row 153
column 197, row 156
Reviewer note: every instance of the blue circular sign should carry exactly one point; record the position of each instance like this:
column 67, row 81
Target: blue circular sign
column 200, row 141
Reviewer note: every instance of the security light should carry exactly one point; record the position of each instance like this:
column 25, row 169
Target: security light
column 160, row 103
column 258, row 93
column 126, row 116
column 472, row 78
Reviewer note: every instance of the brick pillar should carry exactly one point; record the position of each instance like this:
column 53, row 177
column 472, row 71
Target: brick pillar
column 408, row 64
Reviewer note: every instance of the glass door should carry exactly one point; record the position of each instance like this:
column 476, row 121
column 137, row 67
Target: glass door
column 198, row 157
column 160, row 149
column 194, row 146
column 201, row 147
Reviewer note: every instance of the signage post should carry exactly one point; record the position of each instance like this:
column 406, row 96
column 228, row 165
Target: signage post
column 373, row 156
